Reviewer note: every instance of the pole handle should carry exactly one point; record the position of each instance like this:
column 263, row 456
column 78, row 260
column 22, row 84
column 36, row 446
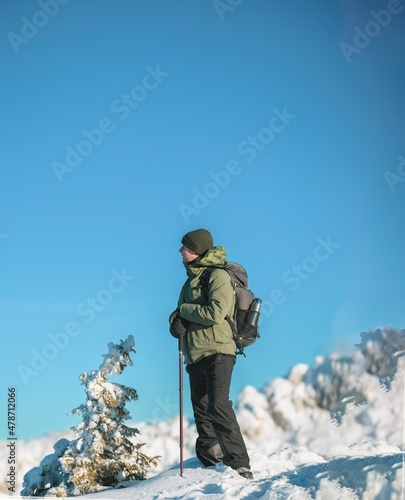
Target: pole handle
column 181, row 342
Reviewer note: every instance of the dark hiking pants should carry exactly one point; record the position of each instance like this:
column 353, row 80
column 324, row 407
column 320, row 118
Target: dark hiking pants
column 219, row 436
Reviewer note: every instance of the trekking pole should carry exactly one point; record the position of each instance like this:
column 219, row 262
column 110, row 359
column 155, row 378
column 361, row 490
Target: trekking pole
column 181, row 401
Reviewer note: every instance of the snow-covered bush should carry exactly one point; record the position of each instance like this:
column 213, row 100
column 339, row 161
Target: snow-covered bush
column 102, row 453
column 381, row 350
column 340, row 382
column 49, row 474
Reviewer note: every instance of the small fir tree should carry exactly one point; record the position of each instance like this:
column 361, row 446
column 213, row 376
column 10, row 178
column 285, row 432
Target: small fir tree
column 102, row 453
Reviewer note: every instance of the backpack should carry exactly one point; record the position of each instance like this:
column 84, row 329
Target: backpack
column 244, row 323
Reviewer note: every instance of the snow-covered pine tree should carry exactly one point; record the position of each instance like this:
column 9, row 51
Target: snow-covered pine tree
column 102, row 453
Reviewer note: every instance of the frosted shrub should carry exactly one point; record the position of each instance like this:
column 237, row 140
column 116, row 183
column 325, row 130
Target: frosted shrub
column 381, row 350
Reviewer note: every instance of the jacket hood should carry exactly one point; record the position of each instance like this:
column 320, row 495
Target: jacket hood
column 214, row 257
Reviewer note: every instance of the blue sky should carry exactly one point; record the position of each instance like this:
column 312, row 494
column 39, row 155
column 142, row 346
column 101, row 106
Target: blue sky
column 278, row 126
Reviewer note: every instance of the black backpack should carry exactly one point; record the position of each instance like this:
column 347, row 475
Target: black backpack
column 244, row 324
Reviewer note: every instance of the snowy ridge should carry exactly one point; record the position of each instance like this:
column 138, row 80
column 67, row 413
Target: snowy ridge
column 331, row 430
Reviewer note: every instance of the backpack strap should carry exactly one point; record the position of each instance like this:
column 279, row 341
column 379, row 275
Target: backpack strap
column 204, row 280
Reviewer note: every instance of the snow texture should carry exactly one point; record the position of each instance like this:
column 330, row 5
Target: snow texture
column 331, row 430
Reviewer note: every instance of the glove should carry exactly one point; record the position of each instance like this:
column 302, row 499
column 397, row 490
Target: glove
column 178, row 326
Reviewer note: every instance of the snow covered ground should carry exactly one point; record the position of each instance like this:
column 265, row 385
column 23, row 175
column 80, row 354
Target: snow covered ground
column 327, row 431
column 293, row 473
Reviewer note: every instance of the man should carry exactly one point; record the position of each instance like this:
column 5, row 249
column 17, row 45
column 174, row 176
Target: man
column 209, row 351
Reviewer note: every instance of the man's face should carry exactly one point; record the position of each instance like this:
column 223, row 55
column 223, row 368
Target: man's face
column 187, row 254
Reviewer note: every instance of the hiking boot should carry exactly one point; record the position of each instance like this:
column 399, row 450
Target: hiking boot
column 245, row 472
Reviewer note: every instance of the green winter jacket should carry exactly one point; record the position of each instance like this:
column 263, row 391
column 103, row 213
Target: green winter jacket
column 208, row 332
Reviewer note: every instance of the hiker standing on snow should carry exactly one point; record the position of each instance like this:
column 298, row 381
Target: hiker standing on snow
column 209, row 352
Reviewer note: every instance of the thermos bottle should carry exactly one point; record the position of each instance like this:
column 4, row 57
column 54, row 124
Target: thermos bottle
column 254, row 312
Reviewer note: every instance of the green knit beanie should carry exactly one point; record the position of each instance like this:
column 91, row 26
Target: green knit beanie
column 199, row 241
